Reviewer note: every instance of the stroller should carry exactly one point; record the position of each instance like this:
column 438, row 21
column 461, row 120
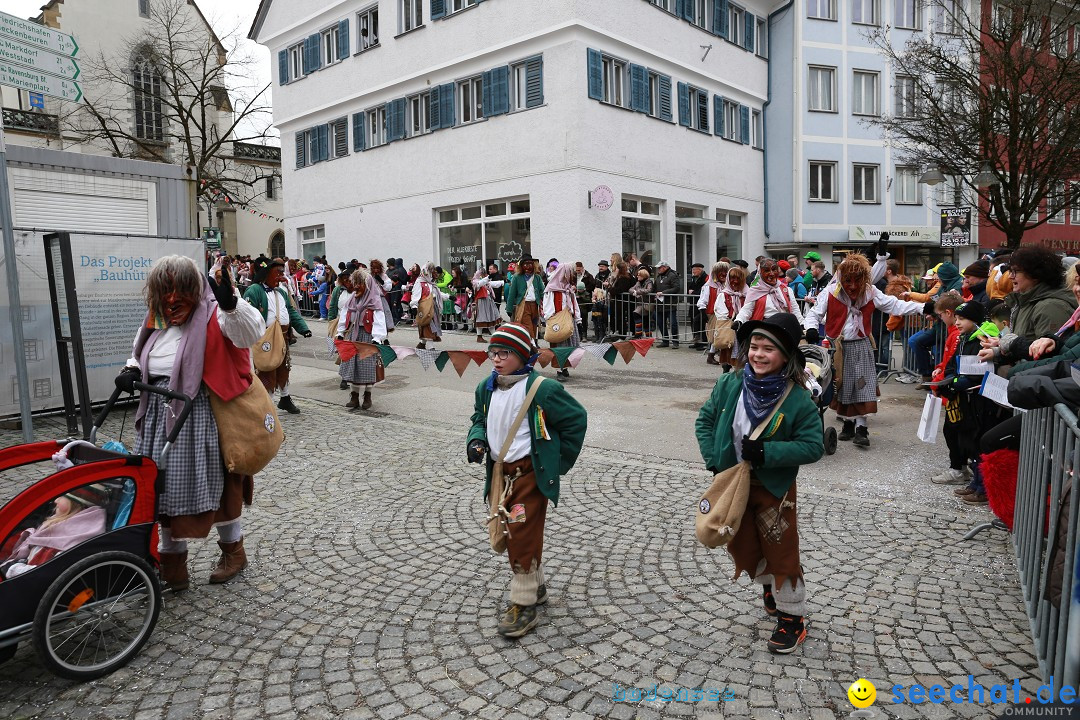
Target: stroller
column 821, row 359
column 88, row 608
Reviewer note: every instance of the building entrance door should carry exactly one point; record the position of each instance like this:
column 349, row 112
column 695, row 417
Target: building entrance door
column 684, row 250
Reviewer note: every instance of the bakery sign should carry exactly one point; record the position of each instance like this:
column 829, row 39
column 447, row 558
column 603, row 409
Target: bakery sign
column 601, row 198
column 897, row 233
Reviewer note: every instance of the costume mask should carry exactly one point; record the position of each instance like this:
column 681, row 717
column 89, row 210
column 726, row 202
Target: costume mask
column 177, row 308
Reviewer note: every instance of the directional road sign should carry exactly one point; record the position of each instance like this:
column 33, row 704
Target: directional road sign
column 30, row 33
column 39, row 82
column 38, row 59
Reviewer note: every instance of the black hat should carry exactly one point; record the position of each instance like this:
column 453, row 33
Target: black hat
column 697, row 265
column 784, row 328
column 526, row 256
column 973, row 310
column 978, row 269
column 263, row 265
column 741, row 263
column 605, row 263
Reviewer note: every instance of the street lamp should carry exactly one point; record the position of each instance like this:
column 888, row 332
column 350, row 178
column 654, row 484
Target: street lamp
column 985, row 178
column 933, row 176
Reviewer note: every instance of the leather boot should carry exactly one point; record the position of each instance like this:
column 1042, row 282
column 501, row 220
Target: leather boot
column 232, row 561
column 354, row 400
column 711, row 359
column 286, row 404
column 174, row 572
column 367, row 401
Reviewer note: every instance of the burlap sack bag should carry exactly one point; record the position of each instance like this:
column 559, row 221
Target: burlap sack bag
column 248, row 429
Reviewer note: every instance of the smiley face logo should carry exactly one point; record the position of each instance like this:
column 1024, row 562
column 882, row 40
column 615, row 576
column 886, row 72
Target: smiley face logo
column 862, row 693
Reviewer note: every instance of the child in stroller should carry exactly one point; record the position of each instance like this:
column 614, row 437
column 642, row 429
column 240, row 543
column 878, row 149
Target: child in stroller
column 77, row 516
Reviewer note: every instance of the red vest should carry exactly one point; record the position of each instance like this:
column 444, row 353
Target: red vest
column 836, row 316
column 482, row 292
column 759, row 306
column 227, row 380
column 711, row 307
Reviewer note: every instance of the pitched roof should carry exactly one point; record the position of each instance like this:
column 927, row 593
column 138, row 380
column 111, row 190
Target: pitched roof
column 260, row 15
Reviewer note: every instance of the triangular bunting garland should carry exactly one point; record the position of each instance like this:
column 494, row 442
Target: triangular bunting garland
column 562, row 354
column 427, row 357
column 388, row 355
column 626, row 350
column 346, row 350
column 544, row 357
column 598, row 351
column 610, row 354
column 460, row 361
column 440, row 362
column 478, row 356
column 642, row 345
column 576, row 356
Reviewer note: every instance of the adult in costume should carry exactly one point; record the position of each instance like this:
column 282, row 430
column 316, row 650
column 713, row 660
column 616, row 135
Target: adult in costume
column 363, row 319
column 524, row 294
column 561, row 294
column 767, row 296
column 427, row 300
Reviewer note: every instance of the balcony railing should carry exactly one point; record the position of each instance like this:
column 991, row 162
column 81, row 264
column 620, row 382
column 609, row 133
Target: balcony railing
column 33, row 121
column 256, row 152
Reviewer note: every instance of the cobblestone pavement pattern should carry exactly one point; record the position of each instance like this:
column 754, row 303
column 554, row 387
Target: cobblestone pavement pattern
column 371, row 593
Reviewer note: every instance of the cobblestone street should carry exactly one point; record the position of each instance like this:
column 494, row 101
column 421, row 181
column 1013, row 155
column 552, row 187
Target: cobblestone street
column 371, row 591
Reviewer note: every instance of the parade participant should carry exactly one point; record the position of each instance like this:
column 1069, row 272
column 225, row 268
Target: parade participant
column 343, row 289
column 486, row 313
column 734, row 297
column 363, row 319
column 767, row 296
column 710, row 295
column 195, row 336
column 846, row 308
column 427, row 301
column 267, row 278
column 561, row 294
column 768, row 387
column 384, row 284
column 525, row 453
column 524, row 294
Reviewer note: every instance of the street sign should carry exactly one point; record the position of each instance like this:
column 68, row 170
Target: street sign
column 38, row 59
column 37, row 101
column 39, row 82
column 30, row 33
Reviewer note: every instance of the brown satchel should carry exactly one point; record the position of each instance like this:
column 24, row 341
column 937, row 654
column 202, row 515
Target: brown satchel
column 721, row 508
column 499, row 491
column 248, row 429
column 560, row 327
column 721, row 334
column 425, row 311
column 269, row 352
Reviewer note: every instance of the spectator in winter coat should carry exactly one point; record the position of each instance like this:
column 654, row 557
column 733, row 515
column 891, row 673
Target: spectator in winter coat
column 668, row 285
column 974, row 288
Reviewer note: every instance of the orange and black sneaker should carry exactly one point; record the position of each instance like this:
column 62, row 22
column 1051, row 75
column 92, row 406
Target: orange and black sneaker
column 769, row 600
column 789, row 634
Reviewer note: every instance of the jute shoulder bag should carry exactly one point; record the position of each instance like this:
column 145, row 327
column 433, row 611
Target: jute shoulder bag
column 721, row 508
column 500, row 490
column 249, row 432
column 269, row 351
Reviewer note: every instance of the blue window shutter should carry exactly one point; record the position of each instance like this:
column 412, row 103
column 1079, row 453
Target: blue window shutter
column 499, row 90
column 283, row 67
column 399, row 118
column 534, row 82
column 721, row 11
column 343, row 39
column 316, row 52
column 486, row 97
column 703, row 110
column 685, row 9
column 684, row 104
column 447, row 108
column 639, row 88
column 305, row 56
column 596, row 75
column 664, row 91
column 358, row 132
column 744, row 125
column 324, row 142
column 433, row 111
column 718, row 115
column 301, row 149
column 438, row 9
column 751, row 27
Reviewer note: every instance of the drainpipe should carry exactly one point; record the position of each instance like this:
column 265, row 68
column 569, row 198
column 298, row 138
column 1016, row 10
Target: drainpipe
column 765, row 110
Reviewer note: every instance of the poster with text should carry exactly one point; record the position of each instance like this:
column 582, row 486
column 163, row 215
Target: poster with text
column 955, row 227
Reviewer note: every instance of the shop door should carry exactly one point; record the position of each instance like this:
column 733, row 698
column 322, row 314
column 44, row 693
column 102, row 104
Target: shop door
column 684, row 250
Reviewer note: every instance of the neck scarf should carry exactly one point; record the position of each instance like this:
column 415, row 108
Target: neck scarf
column 1070, row 322
column 760, row 395
column 370, row 300
column 562, row 280
column 507, row 381
column 760, row 289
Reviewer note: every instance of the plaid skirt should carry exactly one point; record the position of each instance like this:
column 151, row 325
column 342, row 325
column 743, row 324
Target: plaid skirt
column 194, row 472
column 357, row 371
column 487, row 314
column 859, row 384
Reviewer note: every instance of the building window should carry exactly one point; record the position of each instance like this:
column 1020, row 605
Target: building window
column 1074, row 215
column 762, row 39
column 654, row 94
column 662, row 4
column 641, row 228
column 757, row 137
column 703, row 13
column 864, row 93
column 865, row 12
column 904, row 100
column 1001, row 20
column 144, row 8
column 822, row 181
column 27, row 313
column 453, row 6
column 950, row 14
column 376, row 126
column 471, row 99
column 271, row 187
column 470, row 234
column 699, row 109
column 952, row 192
column 907, row 186
column 1055, row 203
column 821, row 9
column 330, row 45
column 518, row 87
column 296, row 61
column 865, row 184
column 313, row 242
column 729, row 233
column 43, row 388
column 822, row 89
column 419, row 109
column 367, row 24
column 31, row 350
column 731, row 120
column 412, row 14
column 1059, row 37
column 338, row 135
column 907, row 14
column 736, row 25
column 615, row 81
column 149, row 116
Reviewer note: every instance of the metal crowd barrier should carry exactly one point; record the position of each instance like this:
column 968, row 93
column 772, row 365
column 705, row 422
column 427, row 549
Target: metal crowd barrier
column 912, row 325
column 1049, row 459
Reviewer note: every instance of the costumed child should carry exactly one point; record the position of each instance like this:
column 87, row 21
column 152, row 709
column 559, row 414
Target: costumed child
column 487, row 312
column 427, row 299
column 362, row 319
column 846, row 308
column 77, row 516
column 528, row 432
column 767, row 387
column 561, row 294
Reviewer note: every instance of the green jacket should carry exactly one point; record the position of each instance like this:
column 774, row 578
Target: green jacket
column 332, row 310
column 1040, row 311
column 793, row 438
column 1067, row 350
column 515, row 292
column 256, row 295
column 564, row 419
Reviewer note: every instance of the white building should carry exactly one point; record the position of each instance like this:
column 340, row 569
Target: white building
column 461, row 130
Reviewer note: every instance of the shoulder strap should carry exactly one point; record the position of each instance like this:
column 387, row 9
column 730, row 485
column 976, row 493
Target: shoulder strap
column 776, row 408
column 517, row 420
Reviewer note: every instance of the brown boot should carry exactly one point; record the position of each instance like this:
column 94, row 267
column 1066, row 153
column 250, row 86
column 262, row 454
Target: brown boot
column 354, row 400
column 174, row 573
column 712, row 359
column 480, row 339
column 232, row 561
column 367, row 401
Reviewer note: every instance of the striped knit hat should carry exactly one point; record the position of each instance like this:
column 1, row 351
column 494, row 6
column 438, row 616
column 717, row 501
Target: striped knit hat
column 516, row 338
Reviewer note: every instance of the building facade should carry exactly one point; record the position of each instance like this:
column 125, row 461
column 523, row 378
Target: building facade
column 463, row 131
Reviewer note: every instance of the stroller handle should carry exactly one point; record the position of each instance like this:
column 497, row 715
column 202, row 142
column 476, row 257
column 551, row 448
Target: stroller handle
column 143, row 387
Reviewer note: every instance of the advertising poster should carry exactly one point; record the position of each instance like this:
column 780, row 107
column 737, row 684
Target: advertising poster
column 955, row 227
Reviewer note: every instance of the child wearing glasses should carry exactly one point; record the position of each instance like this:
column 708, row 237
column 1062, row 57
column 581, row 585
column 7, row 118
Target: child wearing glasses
column 544, row 444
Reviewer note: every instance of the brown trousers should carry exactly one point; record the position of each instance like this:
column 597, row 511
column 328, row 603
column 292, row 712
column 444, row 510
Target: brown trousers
column 525, row 545
column 238, row 491
column 770, row 533
column 278, row 378
column 528, row 314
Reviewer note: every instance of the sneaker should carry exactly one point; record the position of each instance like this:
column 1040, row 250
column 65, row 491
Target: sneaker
column 862, row 437
column 951, row 477
column 769, row 600
column 518, row 620
column 789, row 634
column 964, row 491
column 975, row 498
column 848, row 430
column 541, row 594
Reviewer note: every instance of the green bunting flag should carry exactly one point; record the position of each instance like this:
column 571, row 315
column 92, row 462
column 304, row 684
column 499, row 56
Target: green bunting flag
column 388, row 355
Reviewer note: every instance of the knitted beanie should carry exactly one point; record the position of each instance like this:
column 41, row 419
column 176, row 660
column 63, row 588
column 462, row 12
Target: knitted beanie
column 973, row 311
column 516, row 338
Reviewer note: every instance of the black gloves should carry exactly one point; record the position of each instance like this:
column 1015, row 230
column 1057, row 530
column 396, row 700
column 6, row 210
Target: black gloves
column 735, row 326
column 306, row 333
column 753, row 451
column 883, row 244
column 223, row 291
column 928, row 308
column 812, row 336
column 127, row 378
column 476, row 451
